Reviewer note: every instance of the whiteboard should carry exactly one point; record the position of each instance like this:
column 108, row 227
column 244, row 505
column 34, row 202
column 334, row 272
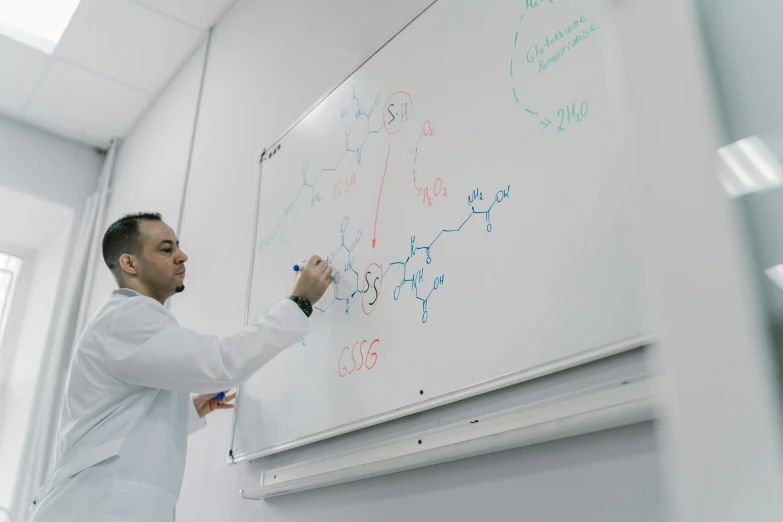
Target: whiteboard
column 463, row 184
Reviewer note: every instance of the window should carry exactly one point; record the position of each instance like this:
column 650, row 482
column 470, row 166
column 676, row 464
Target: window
column 9, row 272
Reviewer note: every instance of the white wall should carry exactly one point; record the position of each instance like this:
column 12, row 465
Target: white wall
column 52, row 178
column 610, row 476
column 10, row 339
column 744, row 45
column 24, row 238
column 149, row 173
column 46, row 166
column 31, row 346
column 723, row 442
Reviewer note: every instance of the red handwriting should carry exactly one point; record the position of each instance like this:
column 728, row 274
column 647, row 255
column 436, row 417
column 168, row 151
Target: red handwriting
column 348, row 357
column 343, row 186
column 380, row 192
column 438, row 189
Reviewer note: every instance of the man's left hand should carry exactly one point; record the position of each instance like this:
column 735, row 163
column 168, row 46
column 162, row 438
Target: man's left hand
column 204, row 403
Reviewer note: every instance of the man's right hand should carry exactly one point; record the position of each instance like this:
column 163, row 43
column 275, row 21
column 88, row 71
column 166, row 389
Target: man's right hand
column 312, row 281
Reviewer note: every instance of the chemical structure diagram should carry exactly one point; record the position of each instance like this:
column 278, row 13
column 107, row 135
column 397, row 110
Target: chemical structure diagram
column 416, row 279
column 348, row 280
column 346, row 268
column 359, row 113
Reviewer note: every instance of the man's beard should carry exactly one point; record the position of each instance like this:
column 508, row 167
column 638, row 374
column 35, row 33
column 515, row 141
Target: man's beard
column 179, row 289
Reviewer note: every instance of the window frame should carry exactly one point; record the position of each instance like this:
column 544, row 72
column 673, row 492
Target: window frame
column 7, row 304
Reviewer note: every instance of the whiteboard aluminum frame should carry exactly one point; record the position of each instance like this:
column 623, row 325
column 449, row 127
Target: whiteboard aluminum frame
column 511, row 379
column 599, row 408
column 353, row 71
column 231, row 458
column 490, row 385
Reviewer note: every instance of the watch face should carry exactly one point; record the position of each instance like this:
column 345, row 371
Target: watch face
column 303, row 305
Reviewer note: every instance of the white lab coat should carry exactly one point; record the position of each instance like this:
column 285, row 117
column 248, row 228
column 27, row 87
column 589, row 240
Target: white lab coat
column 128, row 411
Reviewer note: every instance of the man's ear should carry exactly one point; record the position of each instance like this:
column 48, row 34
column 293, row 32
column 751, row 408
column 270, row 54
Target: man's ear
column 128, row 264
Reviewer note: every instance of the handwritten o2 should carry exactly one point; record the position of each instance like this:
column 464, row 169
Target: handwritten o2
column 348, row 356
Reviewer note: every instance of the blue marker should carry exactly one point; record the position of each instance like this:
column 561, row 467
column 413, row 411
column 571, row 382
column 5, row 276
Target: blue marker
column 219, row 396
column 301, row 265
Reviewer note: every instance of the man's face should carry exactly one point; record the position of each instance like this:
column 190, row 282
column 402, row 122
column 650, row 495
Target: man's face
column 162, row 264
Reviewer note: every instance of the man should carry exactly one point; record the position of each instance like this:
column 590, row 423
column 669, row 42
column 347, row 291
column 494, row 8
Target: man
column 128, row 409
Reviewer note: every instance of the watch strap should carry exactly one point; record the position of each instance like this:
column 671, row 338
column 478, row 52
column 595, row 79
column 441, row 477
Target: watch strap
column 303, row 304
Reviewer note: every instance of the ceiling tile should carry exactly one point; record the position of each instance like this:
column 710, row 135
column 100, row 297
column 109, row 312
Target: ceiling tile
column 21, row 68
column 199, row 13
column 85, row 105
column 128, row 42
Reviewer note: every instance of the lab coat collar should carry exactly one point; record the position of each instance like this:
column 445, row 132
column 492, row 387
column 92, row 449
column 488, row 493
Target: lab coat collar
column 126, row 292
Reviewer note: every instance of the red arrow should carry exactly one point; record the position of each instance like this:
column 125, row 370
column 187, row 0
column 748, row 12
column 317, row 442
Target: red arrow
column 375, row 229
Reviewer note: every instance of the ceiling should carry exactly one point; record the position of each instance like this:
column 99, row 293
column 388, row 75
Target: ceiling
column 111, row 63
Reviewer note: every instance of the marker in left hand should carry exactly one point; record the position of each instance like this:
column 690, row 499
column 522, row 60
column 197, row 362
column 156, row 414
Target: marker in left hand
column 219, row 396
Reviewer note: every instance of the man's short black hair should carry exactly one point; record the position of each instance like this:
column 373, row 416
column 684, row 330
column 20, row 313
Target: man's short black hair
column 122, row 237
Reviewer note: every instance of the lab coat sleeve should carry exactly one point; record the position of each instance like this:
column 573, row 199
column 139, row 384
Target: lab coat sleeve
column 146, row 347
column 195, row 422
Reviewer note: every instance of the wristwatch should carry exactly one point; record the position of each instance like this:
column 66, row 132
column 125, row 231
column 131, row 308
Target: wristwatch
column 303, row 304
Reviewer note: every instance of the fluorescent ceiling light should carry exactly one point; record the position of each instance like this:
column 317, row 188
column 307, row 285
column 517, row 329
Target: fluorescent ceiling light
column 748, row 166
column 776, row 274
column 37, row 23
